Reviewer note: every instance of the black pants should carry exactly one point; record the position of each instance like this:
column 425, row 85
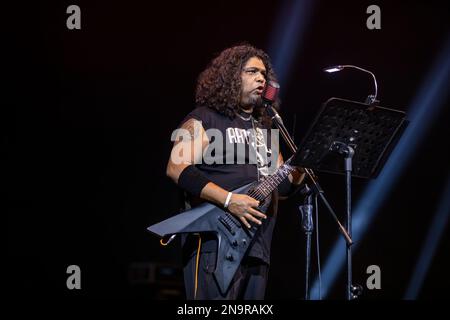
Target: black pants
column 249, row 282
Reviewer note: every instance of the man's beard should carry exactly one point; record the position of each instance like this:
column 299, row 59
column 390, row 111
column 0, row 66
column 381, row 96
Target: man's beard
column 253, row 102
column 259, row 102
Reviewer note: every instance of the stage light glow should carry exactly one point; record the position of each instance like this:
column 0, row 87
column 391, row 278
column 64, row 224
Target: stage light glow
column 287, row 37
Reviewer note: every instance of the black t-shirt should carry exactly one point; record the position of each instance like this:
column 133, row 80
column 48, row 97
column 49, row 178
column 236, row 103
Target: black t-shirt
column 239, row 152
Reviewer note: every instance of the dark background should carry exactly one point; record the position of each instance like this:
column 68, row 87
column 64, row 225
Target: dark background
column 93, row 111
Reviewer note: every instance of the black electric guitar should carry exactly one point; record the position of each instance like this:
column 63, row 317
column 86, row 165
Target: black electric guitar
column 233, row 238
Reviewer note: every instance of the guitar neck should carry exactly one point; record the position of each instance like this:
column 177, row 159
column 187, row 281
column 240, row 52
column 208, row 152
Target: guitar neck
column 264, row 188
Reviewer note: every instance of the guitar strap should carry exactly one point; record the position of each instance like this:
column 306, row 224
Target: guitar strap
column 196, row 264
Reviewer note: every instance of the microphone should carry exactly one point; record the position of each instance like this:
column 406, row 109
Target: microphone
column 268, row 97
column 270, row 93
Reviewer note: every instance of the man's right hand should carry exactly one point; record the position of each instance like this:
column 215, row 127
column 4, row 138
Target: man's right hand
column 243, row 207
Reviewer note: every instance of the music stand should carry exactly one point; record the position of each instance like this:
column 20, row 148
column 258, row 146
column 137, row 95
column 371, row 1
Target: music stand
column 364, row 134
column 371, row 131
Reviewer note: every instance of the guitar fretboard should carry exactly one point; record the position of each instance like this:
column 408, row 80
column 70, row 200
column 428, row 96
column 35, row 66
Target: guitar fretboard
column 270, row 183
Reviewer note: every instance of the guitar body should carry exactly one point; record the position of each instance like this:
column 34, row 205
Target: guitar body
column 233, row 238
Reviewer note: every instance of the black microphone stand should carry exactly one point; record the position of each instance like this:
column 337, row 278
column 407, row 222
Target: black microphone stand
column 316, row 189
column 312, row 177
column 308, row 226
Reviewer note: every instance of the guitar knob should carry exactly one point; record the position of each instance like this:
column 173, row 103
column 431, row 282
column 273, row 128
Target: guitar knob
column 244, row 242
column 234, row 243
column 229, row 257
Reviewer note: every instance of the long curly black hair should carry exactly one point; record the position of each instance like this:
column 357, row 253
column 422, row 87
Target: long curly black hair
column 219, row 85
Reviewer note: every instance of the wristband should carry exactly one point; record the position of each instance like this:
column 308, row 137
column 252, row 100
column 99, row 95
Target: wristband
column 227, row 201
column 192, row 180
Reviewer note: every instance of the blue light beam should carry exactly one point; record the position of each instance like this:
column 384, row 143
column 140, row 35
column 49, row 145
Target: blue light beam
column 288, row 35
column 435, row 232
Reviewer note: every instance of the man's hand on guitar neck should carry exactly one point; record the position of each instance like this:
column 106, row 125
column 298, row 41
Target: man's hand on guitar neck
column 243, row 207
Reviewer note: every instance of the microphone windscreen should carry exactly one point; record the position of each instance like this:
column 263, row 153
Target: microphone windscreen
column 270, row 92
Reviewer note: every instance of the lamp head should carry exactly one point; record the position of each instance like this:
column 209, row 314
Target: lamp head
column 371, row 98
column 333, row 69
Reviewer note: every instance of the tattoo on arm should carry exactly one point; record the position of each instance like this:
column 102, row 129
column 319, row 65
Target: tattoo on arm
column 189, row 143
column 193, row 127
